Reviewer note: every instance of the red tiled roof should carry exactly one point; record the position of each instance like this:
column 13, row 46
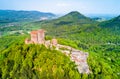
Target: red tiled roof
column 34, row 32
column 37, row 31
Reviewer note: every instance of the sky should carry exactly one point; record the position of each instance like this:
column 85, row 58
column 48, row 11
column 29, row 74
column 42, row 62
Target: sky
column 64, row 6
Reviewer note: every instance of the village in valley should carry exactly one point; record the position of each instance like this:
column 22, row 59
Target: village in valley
column 77, row 56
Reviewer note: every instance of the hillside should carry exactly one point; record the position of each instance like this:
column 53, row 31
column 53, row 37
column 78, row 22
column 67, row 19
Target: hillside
column 8, row 16
column 36, row 61
column 22, row 61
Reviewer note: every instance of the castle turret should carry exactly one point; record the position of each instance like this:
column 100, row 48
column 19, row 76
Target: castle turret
column 41, row 36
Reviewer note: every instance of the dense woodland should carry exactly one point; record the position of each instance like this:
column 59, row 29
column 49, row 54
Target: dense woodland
column 35, row 61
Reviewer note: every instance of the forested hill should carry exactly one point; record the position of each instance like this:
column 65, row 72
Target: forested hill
column 74, row 17
column 113, row 23
column 8, row 16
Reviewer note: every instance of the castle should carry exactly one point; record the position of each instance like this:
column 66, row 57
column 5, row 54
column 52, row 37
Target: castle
column 38, row 37
column 79, row 57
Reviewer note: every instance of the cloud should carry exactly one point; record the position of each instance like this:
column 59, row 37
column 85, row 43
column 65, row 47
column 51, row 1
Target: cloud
column 63, row 4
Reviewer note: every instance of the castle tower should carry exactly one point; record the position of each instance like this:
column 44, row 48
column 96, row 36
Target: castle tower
column 41, row 36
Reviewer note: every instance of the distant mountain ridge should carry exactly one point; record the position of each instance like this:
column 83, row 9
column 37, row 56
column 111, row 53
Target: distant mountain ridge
column 72, row 18
column 7, row 16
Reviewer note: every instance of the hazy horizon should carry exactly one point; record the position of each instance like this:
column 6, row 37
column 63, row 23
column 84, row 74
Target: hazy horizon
column 63, row 7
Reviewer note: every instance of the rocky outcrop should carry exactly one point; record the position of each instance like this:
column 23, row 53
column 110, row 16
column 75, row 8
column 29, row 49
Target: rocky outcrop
column 79, row 57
